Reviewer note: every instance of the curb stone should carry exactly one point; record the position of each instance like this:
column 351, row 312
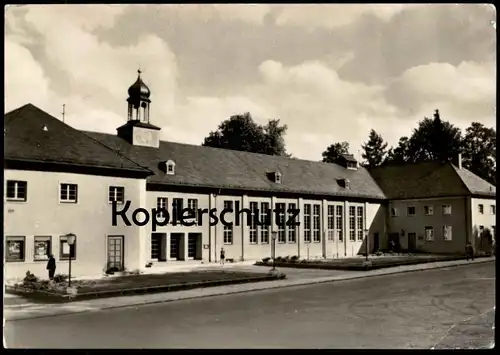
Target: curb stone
column 74, row 307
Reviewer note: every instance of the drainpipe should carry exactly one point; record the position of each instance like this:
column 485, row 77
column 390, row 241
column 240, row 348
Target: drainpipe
column 467, row 232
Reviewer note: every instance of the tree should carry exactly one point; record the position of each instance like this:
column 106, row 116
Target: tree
column 398, row 155
column 375, row 150
column 240, row 132
column 433, row 139
column 479, row 151
column 333, row 153
column 436, row 140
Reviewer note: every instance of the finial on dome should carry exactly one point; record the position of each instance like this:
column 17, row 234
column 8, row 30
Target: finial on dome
column 139, row 71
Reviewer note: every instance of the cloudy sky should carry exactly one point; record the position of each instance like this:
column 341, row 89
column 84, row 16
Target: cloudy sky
column 330, row 72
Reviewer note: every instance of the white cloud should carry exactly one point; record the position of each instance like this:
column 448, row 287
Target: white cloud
column 334, row 15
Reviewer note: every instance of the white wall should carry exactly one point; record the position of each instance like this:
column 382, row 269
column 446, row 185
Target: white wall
column 90, row 219
column 485, row 219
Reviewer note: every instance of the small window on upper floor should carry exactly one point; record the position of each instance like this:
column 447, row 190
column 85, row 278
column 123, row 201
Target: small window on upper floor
column 17, row 190
column 68, row 193
column 170, row 167
column 446, row 209
column 410, row 211
column 116, row 193
column 480, row 209
column 428, row 210
column 394, row 212
column 493, row 209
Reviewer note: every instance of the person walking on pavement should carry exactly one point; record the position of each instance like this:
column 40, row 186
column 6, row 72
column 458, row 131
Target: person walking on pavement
column 222, row 256
column 51, row 266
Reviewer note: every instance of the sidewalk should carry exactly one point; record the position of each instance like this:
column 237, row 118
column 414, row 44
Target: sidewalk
column 296, row 277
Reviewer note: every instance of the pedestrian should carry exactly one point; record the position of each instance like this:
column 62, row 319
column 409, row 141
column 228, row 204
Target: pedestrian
column 469, row 251
column 51, row 266
column 222, row 256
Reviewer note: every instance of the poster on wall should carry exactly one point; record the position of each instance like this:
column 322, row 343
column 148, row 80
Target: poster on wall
column 42, row 250
column 65, row 248
column 15, row 249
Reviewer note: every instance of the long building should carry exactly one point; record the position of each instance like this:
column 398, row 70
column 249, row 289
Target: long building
column 111, row 192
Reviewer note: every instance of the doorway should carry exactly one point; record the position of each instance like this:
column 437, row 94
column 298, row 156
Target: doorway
column 115, row 252
column 412, row 242
column 194, row 246
column 175, row 245
column 159, row 246
column 376, row 242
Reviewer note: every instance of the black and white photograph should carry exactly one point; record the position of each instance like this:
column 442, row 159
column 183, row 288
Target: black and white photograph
column 249, row 176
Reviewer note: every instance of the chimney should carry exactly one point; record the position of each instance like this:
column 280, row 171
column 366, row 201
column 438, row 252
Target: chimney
column 460, row 160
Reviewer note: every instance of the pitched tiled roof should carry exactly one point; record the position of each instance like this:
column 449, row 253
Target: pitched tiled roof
column 475, row 184
column 215, row 167
column 428, row 179
column 33, row 135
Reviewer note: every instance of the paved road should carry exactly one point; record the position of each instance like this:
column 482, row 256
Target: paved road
column 410, row 310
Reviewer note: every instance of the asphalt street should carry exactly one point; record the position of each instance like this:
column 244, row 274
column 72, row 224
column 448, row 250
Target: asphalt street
column 433, row 308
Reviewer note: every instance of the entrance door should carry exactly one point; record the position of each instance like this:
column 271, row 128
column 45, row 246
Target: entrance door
column 115, row 252
column 412, row 242
column 376, row 242
column 192, row 239
column 175, row 240
column 159, row 246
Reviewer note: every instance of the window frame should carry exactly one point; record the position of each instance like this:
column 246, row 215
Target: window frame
column 291, row 231
column 192, row 204
column 228, row 231
column 253, row 235
column 265, row 219
column 159, row 206
column 429, row 210
column 110, row 201
column 444, row 208
column 360, row 223
column 42, row 238
column 394, row 212
column 16, row 191
column 63, row 256
column 15, row 238
column 352, row 223
column 426, row 228
column 408, row 214
column 69, row 184
column 493, row 210
column 339, row 227
column 450, row 237
column 480, row 208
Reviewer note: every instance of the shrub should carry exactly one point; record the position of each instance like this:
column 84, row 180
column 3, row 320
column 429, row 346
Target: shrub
column 294, row 258
column 278, row 258
column 29, row 278
column 286, row 259
column 111, row 270
column 303, row 261
column 379, row 253
column 59, row 278
column 265, row 260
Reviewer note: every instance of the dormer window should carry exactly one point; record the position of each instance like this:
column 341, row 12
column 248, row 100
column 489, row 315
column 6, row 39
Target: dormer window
column 344, row 183
column 349, row 162
column 277, row 177
column 352, row 166
column 170, row 167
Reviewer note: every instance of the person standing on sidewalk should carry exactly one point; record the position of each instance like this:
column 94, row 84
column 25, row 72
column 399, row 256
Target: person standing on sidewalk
column 51, row 266
column 222, row 256
column 469, row 251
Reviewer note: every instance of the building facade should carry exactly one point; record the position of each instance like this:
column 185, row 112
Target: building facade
column 124, row 196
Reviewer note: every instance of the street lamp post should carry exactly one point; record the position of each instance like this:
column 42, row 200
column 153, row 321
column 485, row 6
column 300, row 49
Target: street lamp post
column 70, row 239
column 366, row 237
column 273, row 235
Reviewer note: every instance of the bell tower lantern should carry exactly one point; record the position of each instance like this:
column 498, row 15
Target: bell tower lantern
column 138, row 130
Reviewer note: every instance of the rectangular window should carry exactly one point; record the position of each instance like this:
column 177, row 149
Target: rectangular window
column 292, row 229
column 429, row 234
column 316, row 223
column 394, row 212
column 339, row 223
column 480, row 209
column 17, row 190
column 254, row 210
column 43, row 248
column 447, row 233
column 177, row 206
column 361, row 226
column 14, row 248
column 68, row 193
column 280, row 207
column 428, row 210
column 161, row 203
column 410, row 211
column 446, row 209
column 352, row 223
column 307, row 223
column 228, row 230
column 331, row 222
column 116, row 193
column 66, row 250
column 193, row 206
column 493, row 209
column 265, row 219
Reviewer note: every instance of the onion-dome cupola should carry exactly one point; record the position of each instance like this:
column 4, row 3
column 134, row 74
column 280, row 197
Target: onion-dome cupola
column 138, row 101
